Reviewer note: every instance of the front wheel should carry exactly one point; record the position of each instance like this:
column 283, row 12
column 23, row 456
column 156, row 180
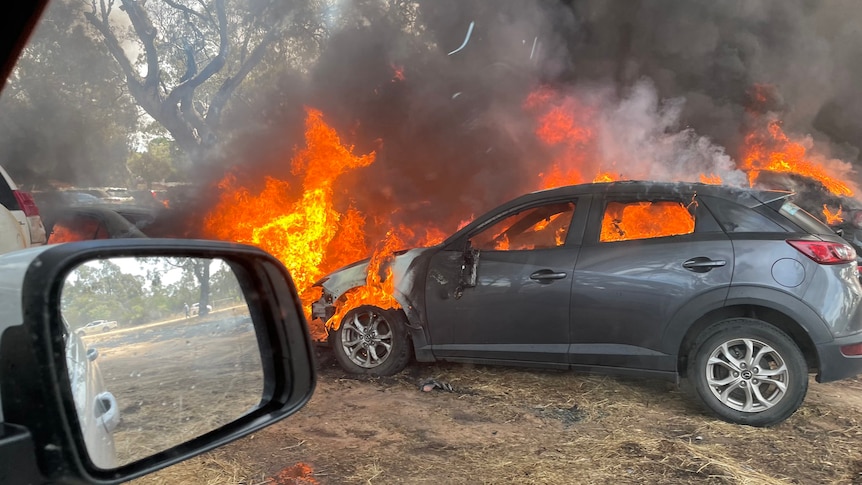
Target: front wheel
column 372, row 341
column 747, row 371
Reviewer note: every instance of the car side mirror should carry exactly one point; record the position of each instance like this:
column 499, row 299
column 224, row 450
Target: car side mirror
column 165, row 387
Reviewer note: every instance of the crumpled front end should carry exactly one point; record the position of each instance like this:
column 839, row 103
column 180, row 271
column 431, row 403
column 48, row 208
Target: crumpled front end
column 338, row 284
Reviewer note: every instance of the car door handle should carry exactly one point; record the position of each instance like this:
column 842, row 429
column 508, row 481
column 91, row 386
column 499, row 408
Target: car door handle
column 702, row 264
column 547, row 275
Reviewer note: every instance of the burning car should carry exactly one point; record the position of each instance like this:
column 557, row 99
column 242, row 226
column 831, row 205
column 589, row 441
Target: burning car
column 738, row 290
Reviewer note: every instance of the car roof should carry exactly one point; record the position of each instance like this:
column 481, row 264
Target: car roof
column 749, row 197
column 645, row 189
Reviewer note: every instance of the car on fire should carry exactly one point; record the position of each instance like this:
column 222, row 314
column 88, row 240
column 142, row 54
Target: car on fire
column 737, row 290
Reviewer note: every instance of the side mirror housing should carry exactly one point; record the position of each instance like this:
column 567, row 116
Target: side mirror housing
column 254, row 343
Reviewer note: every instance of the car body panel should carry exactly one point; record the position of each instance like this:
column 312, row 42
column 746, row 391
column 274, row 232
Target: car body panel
column 507, row 315
column 31, row 227
column 84, row 374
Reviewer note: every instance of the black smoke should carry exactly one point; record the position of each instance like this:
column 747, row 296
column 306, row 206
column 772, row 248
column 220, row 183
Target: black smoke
column 672, row 82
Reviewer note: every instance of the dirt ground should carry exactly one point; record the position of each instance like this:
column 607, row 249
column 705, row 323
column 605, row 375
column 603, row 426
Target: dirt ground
column 512, row 425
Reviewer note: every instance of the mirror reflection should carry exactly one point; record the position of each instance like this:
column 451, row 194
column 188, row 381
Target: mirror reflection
column 159, row 350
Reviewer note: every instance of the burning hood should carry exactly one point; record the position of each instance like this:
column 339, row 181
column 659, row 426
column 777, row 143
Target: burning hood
column 355, row 275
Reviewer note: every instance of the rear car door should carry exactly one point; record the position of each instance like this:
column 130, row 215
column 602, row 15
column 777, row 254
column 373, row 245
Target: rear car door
column 517, row 308
column 643, row 259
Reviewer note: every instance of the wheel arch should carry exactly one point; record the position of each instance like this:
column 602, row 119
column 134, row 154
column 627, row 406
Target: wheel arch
column 773, row 316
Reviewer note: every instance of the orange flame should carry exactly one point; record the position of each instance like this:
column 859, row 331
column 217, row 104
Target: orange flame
column 398, row 73
column 645, row 220
column 379, row 289
column 301, row 232
column 299, row 474
column 710, row 179
column 771, row 150
column 607, row 177
column 832, row 218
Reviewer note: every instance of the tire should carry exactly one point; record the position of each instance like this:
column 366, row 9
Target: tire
column 372, row 341
column 727, row 367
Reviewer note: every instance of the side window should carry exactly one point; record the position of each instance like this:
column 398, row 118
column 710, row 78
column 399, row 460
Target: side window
column 78, row 228
column 535, row 228
column 624, row 221
column 737, row 218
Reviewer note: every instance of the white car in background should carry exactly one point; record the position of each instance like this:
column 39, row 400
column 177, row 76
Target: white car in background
column 20, row 223
column 196, row 308
column 97, row 326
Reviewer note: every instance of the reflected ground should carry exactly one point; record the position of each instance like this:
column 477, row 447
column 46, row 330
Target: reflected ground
column 177, row 379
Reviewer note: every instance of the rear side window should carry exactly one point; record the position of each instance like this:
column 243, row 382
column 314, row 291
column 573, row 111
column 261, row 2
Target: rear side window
column 735, row 218
column 804, row 220
column 625, row 221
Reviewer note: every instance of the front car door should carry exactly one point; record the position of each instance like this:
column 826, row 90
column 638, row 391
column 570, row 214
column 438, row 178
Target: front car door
column 643, row 259
column 511, row 303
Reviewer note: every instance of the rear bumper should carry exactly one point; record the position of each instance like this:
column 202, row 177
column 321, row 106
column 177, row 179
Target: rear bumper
column 836, row 366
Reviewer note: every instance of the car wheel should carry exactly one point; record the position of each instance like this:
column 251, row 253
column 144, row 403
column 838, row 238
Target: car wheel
column 105, row 329
column 372, row 341
column 747, row 371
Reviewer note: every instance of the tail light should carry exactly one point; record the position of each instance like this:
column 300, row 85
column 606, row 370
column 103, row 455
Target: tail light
column 852, row 350
column 26, row 202
column 825, row 252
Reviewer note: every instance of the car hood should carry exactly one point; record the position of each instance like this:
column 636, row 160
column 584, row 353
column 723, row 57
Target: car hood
column 339, row 281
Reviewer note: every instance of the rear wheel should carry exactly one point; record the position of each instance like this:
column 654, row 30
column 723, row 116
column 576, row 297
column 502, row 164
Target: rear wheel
column 747, row 371
column 372, row 341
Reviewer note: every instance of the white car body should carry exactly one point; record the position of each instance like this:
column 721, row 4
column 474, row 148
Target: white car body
column 97, row 326
column 17, row 229
column 196, row 308
column 98, row 413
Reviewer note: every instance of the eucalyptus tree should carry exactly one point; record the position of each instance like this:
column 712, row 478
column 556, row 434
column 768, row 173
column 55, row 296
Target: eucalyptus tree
column 183, row 60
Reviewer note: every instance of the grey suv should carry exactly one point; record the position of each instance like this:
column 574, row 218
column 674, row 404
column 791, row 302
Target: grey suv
column 738, row 290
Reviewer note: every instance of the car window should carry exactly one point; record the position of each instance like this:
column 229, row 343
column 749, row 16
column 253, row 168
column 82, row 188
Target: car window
column 78, row 228
column 803, row 219
column 736, row 218
column 623, row 221
column 536, row 228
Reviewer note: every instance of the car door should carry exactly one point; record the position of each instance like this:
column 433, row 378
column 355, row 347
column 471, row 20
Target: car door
column 511, row 300
column 642, row 261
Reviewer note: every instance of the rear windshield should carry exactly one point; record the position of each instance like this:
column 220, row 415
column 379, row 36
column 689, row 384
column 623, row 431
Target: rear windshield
column 804, row 220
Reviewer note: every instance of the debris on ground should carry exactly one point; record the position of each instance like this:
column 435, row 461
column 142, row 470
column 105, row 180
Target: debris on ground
column 429, row 385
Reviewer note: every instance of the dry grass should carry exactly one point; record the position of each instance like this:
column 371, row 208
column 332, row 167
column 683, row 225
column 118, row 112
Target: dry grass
column 533, row 427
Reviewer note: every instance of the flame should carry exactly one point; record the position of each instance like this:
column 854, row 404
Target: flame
column 78, row 229
column 771, row 150
column 606, row 177
column 832, row 218
column 645, row 220
column 563, row 124
column 379, row 289
column 299, row 474
column 397, row 73
column 710, row 179
column 300, row 232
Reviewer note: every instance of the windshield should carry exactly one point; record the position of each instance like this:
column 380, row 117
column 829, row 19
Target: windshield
column 328, row 132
